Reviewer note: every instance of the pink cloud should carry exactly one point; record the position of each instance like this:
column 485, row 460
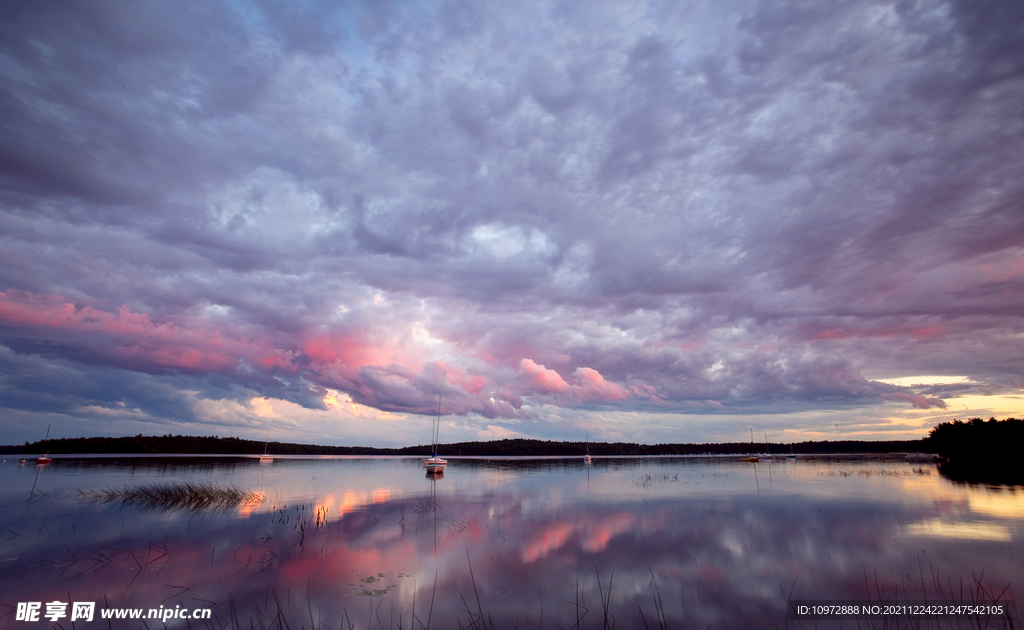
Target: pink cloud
column 346, row 350
column 915, row 400
column 472, row 384
column 593, row 386
column 543, row 379
column 135, row 337
column 589, row 385
column 883, row 332
column 373, row 368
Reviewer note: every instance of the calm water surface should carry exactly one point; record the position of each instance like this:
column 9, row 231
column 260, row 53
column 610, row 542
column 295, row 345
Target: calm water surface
column 373, row 542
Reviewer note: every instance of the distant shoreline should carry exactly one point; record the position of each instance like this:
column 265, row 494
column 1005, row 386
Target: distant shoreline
column 217, row 446
column 511, row 458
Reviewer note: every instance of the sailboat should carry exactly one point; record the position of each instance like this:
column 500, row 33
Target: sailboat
column 586, row 458
column 435, row 464
column 266, row 457
column 45, row 459
column 751, row 458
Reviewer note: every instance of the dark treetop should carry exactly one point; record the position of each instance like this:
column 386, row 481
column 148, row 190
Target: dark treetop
column 212, row 445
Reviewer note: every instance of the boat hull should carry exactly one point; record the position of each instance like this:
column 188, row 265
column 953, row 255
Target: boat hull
column 435, row 463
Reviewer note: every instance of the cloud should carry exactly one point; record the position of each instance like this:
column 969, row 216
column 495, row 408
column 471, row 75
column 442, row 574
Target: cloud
column 698, row 209
column 543, row 379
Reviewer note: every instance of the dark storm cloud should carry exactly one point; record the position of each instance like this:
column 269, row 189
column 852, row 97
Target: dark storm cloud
column 667, row 206
column 32, row 383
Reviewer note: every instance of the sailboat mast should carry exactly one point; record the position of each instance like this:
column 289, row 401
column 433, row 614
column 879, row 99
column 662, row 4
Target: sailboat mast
column 436, row 433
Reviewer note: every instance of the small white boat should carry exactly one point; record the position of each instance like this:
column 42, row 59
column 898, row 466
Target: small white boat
column 45, row 459
column 586, row 458
column 435, row 464
column 266, row 457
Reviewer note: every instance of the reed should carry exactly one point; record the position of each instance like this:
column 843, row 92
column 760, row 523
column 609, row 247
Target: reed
column 606, row 599
column 181, row 496
column 918, row 471
column 646, row 480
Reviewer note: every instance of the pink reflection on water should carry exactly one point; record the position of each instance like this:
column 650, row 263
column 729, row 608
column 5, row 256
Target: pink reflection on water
column 371, row 552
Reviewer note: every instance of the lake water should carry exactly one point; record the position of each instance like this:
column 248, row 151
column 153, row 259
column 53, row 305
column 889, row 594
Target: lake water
column 507, row 543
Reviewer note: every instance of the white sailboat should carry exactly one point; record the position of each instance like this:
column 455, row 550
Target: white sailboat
column 586, row 458
column 435, row 464
column 45, row 459
column 266, row 457
column 751, row 458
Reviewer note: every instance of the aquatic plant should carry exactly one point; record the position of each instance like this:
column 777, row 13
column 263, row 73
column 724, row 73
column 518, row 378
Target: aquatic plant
column 646, row 480
column 179, row 496
column 918, row 471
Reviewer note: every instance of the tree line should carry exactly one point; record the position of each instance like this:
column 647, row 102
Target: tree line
column 214, row 445
column 979, row 451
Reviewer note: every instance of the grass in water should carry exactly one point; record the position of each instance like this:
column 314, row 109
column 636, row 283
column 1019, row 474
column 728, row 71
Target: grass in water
column 179, row 496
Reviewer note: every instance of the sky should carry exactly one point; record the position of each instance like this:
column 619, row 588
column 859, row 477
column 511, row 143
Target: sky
column 641, row 221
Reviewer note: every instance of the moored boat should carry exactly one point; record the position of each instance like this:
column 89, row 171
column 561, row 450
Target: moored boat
column 435, row 464
column 266, row 457
column 45, row 459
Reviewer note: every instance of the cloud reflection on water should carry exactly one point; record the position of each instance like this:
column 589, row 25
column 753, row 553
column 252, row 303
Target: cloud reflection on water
column 537, row 538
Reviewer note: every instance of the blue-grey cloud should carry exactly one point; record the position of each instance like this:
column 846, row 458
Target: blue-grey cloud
column 653, row 207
